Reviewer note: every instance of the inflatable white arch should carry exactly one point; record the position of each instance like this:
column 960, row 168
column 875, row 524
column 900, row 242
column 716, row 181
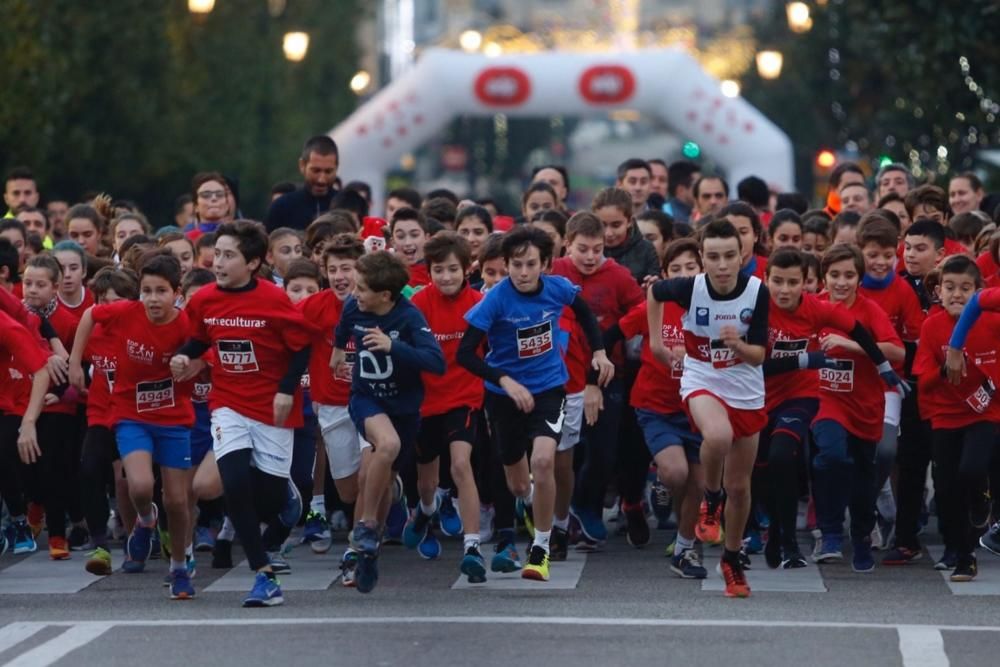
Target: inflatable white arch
column 667, row 83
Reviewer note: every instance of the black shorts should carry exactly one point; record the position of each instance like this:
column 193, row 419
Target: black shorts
column 101, row 440
column 439, row 431
column 514, row 431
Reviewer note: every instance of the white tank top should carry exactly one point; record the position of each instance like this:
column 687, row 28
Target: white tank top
column 709, row 364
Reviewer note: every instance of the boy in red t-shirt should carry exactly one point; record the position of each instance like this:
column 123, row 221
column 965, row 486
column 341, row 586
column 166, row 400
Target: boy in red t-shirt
column 151, row 413
column 449, row 415
column 408, row 233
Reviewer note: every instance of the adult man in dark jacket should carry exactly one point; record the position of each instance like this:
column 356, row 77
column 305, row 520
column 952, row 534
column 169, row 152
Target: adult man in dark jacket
column 318, row 164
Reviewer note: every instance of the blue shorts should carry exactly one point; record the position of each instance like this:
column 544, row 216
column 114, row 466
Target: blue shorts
column 673, row 430
column 407, row 426
column 201, row 434
column 169, row 445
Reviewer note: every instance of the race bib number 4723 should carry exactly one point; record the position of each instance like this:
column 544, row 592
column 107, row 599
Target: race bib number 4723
column 237, row 356
column 534, row 341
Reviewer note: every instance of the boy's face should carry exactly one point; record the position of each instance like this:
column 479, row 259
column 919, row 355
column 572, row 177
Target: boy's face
column 158, row 296
column 525, row 269
column 586, row 253
column 39, row 289
column 408, row 238
column 448, row 276
column 616, row 224
column 842, row 280
column 300, row 288
column 814, row 244
column 636, row 183
column 920, row 255
column 282, row 251
column 955, row 291
column 847, row 234
column 926, row 211
column 879, row 260
column 785, row 286
column 684, row 265
column 368, row 300
column 341, row 274
column 722, row 260
column 493, row 271
column 230, row 266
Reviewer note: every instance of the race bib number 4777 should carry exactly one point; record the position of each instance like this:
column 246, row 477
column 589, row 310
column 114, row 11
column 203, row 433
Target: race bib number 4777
column 534, row 341
column 237, row 356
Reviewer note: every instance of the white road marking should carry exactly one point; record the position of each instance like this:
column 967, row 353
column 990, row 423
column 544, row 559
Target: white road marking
column 15, row 633
column 921, row 646
column 987, row 581
column 48, row 652
column 563, row 575
column 40, row 575
column 310, row 572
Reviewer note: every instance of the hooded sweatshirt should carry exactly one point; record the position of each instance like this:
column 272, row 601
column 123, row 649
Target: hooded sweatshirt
column 637, row 255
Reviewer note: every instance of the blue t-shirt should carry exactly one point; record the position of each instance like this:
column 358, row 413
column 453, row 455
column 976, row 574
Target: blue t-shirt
column 523, row 331
column 391, row 380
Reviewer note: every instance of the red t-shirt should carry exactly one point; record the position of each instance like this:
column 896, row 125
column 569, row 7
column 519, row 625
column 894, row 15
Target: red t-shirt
column 254, row 332
column 576, row 355
column 789, row 333
column 854, row 395
column 81, row 308
column 101, row 352
column 760, row 270
column 21, row 356
column 901, row 304
column 988, row 267
column 419, row 275
column 947, row 405
column 457, row 388
column 657, row 387
column 323, row 310
column 144, row 388
column 65, row 324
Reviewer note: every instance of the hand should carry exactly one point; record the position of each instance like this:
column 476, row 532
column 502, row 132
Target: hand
column 178, row 364
column 77, row 378
column 282, row 408
column 890, row 378
column 831, row 341
column 605, row 369
column 51, row 399
column 194, row 367
column 27, row 443
column 522, row 398
column 338, row 360
column 730, row 337
column 954, row 364
column 57, row 369
column 648, row 281
column 593, row 403
column 377, row 341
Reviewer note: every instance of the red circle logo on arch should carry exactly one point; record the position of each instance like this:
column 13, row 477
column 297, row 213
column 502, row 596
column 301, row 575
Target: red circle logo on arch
column 607, row 84
column 503, row 86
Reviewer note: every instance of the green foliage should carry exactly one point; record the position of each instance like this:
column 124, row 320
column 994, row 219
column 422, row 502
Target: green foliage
column 133, row 97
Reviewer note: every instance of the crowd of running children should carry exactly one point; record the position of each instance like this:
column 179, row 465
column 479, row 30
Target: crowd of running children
column 451, row 370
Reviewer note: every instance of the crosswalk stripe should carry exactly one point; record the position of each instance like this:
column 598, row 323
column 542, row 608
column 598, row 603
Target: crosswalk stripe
column 563, row 575
column 15, row 633
column 310, row 572
column 38, row 574
column 987, row 581
column 52, row 650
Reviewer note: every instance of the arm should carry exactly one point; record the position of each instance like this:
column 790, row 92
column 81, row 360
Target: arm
column 600, row 362
column 754, row 350
column 27, row 441
column 423, row 353
column 297, row 365
column 469, row 359
column 83, row 331
column 654, row 316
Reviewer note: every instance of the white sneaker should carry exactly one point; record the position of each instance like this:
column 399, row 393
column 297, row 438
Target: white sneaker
column 338, row 521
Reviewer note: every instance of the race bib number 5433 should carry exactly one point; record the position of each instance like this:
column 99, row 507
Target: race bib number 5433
column 237, row 356
column 534, row 341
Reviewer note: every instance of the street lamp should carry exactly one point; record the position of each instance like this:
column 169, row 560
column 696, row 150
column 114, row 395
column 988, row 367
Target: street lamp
column 730, row 88
column 201, row 6
column 769, row 64
column 470, row 40
column 295, row 45
column 799, row 19
column 492, row 49
column 360, row 82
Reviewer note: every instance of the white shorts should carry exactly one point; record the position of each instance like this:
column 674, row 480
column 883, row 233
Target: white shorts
column 271, row 445
column 893, row 408
column 342, row 440
column 572, row 422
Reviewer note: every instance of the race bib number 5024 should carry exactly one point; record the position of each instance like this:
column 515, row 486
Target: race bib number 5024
column 534, row 341
column 237, row 356
column 840, row 378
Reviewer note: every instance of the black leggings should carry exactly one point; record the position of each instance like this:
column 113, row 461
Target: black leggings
column 96, row 473
column 11, row 469
column 57, row 470
column 252, row 496
column 961, row 462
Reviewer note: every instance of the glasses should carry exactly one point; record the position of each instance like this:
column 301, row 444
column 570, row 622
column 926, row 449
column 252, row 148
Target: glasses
column 212, row 194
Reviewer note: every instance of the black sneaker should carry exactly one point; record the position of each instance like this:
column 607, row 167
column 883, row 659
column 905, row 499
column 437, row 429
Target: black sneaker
column 222, row 555
column 794, row 560
column 772, row 554
column 966, row 569
column 744, row 558
column 558, row 544
column 637, row 528
column 979, row 510
column 991, row 539
column 78, row 538
column 948, row 561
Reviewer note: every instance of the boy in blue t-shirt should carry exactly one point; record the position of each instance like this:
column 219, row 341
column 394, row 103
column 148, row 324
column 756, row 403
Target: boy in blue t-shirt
column 525, row 373
column 394, row 345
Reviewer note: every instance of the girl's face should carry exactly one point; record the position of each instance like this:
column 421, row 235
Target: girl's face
column 536, row 202
column 814, row 244
column 84, row 232
column 812, row 281
column 685, row 265
column 181, row 249
column 842, row 280
column 206, row 257
column 493, row 271
column 615, row 223
column 126, row 228
column 787, row 235
column 211, row 201
column 748, row 237
column 899, row 209
column 651, row 232
column 72, row 276
column 300, row 288
column 282, row 251
column 39, row 287
column 552, row 233
column 475, row 232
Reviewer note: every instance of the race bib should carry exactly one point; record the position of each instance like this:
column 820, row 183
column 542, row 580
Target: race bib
column 721, row 356
column 982, row 397
column 200, row 392
column 343, row 372
column 237, row 356
column 155, row 395
column 840, row 378
column 534, row 341
column 304, row 381
column 677, row 369
column 788, row 348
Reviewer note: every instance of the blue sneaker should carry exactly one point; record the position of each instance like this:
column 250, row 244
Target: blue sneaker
column 429, row 547
column 525, row 515
column 862, row 561
column 292, row 511
column 505, row 559
column 753, row 543
column 366, row 572
column 829, row 549
column 416, row 529
column 364, row 539
column 139, row 547
column 266, row 592
column 395, row 522
column 180, row 585
column 473, row 566
column 317, row 528
column 591, row 525
column 24, row 540
column 203, row 539
column 451, row 522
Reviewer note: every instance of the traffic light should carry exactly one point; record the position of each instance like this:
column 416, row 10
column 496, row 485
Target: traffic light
column 691, row 150
column 884, row 161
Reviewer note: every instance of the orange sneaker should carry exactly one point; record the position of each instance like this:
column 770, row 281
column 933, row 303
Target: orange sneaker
column 709, row 527
column 36, row 518
column 736, row 580
column 58, row 548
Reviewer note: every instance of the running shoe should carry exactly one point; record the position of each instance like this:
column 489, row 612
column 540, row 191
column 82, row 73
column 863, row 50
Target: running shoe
column 180, row 585
column 979, row 510
column 416, row 529
column 591, row 525
column 140, row 542
column 366, row 572
column 794, row 560
column 450, row 521
column 99, row 562
column 266, row 592
column 78, row 538
column 736, row 580
column 862, row 561
column 348, row 569
column 526, row 515
column 292, row 511
column 364, row 540
column 24, row 539
column 709, row 527
column 278, row 563
column 901, row 556
column 486, row 516
column 203, row 539
column 429, row 547
column 317, row 528
column 687, row 565
column 321, row 546
column 558, row 544
column 588, row 546
column 966, row 569
column 537, row 567
column 36, row 518
column 338, row 521
column 753, row 542
column 395, row 522
column 636, row 526
column 744, row 558
column 473, row 566
column 948, row 561
column 671, row 549
column 222, row 554
column 505, row 559
column 829, row 549
column 58, row 548
column 990, row 539
column 772, row 554
column 661, row 502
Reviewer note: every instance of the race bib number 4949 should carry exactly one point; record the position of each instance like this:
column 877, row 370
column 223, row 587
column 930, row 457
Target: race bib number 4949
column 534, row 341
column 237, row 356
column 155, row 395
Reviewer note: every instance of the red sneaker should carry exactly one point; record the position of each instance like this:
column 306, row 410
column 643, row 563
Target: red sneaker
column 736, row 580
column 709, row 527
